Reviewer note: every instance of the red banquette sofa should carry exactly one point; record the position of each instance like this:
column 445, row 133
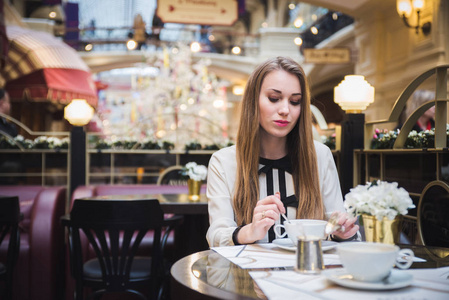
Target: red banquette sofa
column 38, row 274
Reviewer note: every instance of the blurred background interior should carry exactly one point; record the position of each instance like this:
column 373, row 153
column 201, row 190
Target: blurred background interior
column 115, row 92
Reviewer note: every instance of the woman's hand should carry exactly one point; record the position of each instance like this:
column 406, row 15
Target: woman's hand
column 348, row 228
column 265, row 214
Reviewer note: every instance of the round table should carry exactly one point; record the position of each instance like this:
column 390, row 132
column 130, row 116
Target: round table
column 208, row 275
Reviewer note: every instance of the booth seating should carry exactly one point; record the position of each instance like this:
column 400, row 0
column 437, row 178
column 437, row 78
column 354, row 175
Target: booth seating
column 131, row 189
column 38, row 274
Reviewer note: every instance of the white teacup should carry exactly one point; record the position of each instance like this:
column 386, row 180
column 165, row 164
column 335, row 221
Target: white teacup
column 372, row 262
column 313, row 229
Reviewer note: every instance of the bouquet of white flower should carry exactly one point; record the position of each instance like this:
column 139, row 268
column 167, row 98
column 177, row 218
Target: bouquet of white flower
column 194, row 171
column 379, row 199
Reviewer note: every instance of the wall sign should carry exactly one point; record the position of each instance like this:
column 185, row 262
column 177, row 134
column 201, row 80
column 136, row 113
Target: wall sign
column 327, row 56
column 203, row 12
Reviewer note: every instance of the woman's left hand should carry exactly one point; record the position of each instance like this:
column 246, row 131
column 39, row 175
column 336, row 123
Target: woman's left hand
column 348, row 228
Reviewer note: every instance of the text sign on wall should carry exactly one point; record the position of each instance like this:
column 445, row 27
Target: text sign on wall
column 327, row 56
column 203, row 12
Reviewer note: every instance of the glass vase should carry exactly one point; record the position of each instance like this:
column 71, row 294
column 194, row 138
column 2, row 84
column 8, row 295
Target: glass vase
column 382, row 231
column 194, row 189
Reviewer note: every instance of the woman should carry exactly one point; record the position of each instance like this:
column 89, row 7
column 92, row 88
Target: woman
column 274, row 162
column 427, row 120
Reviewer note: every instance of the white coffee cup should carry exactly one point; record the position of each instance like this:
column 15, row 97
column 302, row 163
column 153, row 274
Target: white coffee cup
column 309, row 228
column 372, row 262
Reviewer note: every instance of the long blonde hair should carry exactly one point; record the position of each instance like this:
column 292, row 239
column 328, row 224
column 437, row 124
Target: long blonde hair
column 299, row 143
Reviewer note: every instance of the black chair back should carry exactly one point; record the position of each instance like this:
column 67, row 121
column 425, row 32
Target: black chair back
column 114, row 230
column 9, row 231
column 433, row 214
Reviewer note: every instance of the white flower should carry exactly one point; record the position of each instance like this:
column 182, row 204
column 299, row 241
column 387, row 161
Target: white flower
column 195, row 171
column 379, row 199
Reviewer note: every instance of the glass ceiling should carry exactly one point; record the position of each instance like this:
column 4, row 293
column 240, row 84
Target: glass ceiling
column 113, row 19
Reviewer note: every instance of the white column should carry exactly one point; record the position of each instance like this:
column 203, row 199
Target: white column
column 275, row 41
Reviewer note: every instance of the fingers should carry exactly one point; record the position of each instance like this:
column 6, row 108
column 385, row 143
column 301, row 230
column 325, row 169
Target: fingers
column 273, row 199
column 343, row 219
column 266, row 213
column 266, row 216
column 259, row 228
column 348, row 233
column 347, row 225
column 262, row 221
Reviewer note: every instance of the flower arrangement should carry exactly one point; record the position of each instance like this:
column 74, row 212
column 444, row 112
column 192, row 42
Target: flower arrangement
column 44, row 142
column 194, row 171
column 384, row 139
column 150, row 144
column 379, row 199
column 41, row 142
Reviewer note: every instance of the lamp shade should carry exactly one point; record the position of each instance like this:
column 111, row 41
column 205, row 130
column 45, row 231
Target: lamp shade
column 78, row 112
column 354, row 94
column 404, row 7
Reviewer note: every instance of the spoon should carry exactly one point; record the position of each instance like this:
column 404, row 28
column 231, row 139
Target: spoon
column 285, row 218
column 277, row 194
column 301, row 229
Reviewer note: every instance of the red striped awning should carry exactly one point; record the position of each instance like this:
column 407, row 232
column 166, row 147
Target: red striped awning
column 41, row 67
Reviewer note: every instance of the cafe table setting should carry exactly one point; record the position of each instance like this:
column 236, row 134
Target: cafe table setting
column 275, row 272
column 308, row 266
column 303, row 263
column 268, row 255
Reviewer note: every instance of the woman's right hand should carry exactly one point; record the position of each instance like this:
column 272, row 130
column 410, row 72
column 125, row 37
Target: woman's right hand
column 266, row 213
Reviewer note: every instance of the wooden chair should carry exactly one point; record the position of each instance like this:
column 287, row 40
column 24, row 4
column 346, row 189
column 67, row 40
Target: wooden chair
column 9, row 230
column 433, row 214
column 114, row 230
column 171, row 176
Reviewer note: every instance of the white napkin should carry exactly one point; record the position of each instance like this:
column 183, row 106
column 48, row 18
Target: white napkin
column 439, row 275
column 265, row 256
column 257, row 256
column 290, row 284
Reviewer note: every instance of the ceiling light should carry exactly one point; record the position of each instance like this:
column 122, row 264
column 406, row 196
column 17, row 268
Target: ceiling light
column 298, row 41
column 195, row 47
column 131, row 44
column 238, row 90
column 236, row 50
column 298, row 22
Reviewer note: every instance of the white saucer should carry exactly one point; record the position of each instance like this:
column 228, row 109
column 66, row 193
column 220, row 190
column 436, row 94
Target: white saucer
column 287, row 244
column 398, row 279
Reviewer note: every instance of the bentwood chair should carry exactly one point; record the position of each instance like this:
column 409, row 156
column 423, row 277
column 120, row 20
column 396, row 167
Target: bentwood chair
column 9, row 231
column 171, row 176
column 114, row 230
column 433, row 214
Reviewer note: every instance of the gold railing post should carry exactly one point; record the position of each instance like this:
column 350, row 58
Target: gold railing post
column 441, row 107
